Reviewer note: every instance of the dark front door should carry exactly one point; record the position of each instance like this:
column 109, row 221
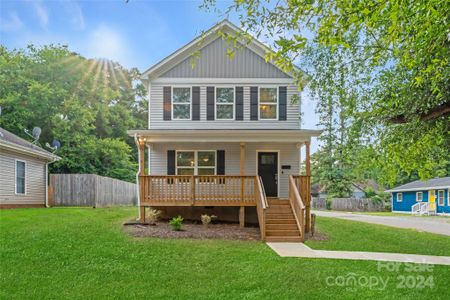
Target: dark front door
column 268, row 170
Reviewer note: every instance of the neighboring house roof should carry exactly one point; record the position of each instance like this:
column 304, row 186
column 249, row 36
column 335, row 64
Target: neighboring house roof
column 202, row 41
column 12, row 142
column 432, row 184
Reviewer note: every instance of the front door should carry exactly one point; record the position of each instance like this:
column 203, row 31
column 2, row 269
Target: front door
column 268, row 170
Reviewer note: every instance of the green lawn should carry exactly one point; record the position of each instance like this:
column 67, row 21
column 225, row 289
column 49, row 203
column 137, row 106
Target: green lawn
column 83, row 253
column 359, row 236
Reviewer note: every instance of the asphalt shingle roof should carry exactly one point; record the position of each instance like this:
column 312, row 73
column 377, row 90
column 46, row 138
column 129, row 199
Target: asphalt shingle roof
column 8, row 137
column 418, row 184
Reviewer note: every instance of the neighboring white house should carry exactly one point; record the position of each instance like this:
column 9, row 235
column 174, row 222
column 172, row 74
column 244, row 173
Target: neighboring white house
column 212, row 115
column 23, row 172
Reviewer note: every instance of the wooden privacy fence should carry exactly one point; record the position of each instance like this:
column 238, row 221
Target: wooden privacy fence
column 90, row 190
column 349, row 204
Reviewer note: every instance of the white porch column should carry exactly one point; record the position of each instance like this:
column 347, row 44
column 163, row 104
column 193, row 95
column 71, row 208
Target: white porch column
column 242, row 173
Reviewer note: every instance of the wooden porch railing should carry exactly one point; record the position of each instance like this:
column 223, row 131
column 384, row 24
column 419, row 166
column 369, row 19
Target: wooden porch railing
column 303, row 184
column 186, row 190
column 298, row 206
column 261, row 206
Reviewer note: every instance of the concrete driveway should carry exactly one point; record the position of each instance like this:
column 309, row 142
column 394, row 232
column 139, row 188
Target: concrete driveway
column 438, row 225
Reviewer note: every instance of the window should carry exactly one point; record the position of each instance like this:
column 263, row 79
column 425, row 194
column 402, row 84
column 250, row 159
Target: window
column 196, row 162
column 419, row 196
column 20, row 176
column 181, row 103
column 268, row 102
column 441, row 197
column 225, row 103
column 399, row 197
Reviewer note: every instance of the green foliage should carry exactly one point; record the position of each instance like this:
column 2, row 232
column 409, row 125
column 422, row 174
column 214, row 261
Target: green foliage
column 380, row 72
column 176, row 223
column 87, row 105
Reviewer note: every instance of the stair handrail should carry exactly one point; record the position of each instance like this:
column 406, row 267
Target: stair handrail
column 298, row 207
column 261, row 206
column 416, row 208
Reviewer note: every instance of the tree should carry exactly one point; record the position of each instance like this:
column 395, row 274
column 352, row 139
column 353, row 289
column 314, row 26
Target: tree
column 400, row 48
column 87, row 105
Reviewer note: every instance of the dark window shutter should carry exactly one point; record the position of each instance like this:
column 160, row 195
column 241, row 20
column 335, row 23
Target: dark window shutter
column 254, row 103
column 195, row 103
column 239, row 103
column 170, row 162
column 220, row 162
column 282, row 98
column 210, row 103
column 167, row 95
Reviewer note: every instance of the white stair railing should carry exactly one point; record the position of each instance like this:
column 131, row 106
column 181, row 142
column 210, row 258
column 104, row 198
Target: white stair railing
column 415, row 209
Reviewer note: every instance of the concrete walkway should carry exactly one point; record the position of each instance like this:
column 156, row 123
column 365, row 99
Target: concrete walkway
column 438, row 225
column 301, row 250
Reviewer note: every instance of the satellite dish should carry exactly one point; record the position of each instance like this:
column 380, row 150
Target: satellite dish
column 56, row 144
column 36, row 133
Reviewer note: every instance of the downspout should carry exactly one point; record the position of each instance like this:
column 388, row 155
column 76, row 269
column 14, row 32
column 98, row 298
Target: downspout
column 46, row 181
column 137, row 177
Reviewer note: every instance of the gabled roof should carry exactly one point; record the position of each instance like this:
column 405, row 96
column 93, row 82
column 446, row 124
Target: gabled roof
column 432, row 184
column 202, row 41
column 12, row 142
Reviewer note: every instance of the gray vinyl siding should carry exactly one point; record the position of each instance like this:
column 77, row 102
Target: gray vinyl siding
column 157, row 122
column 214, row 63
column 34, row 180
column 289, row 155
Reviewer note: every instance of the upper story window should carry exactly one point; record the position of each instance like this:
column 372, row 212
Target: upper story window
column 20, row 176
column 399, row 197
column 225, row 103
column 419, row 196
column 268, row 103
column 181, row 103
column 196, row 162
column 441, row 197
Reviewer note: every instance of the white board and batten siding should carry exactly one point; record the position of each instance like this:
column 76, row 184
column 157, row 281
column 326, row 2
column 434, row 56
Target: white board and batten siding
column 35, row 180
column 288, row 155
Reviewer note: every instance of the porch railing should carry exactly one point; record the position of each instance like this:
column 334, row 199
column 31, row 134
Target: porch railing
column 261, row 206
column 181, row 190
column 303, row 184
column 298, row 207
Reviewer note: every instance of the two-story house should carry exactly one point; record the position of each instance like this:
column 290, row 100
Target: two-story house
column 224, row 136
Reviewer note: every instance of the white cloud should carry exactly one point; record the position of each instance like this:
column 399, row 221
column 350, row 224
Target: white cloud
column 12, row 23
column 42, row 14
column 75, row 15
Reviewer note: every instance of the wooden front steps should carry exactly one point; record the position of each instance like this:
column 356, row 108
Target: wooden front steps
column 281, row 225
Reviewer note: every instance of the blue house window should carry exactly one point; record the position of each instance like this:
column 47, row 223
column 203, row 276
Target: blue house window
column 399, row 197
column 419, row 196
column 441, row 197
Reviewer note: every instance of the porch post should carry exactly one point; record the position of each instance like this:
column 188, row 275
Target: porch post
column 308, row 188
column 141, row 173
column 242, row 172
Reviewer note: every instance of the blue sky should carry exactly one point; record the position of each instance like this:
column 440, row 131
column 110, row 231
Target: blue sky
column 136, row 34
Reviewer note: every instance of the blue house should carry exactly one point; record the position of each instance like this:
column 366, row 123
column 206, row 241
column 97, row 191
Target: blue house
column 422, row 197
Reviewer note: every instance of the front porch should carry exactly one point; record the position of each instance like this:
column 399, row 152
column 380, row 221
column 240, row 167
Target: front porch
column 285, row 218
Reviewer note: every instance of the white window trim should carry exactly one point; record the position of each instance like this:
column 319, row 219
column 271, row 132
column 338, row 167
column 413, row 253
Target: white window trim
column 190, row 102
column 417, row 196
column 268, row 103
column 443, row 198
column 398, row 197
column 15, row 177
column 231, row 104
column 195, row 167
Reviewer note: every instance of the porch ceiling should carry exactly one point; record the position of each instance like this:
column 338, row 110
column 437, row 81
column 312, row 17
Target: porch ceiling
column 226, row 135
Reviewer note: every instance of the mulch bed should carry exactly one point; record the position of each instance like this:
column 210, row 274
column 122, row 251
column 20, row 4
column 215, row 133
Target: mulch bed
column 223, row 231
column 318, row 236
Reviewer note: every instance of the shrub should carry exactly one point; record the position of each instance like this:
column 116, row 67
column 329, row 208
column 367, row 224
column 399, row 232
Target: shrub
column 176, row 223
column 207, row 219
column 328, row 203
column 153, row 215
